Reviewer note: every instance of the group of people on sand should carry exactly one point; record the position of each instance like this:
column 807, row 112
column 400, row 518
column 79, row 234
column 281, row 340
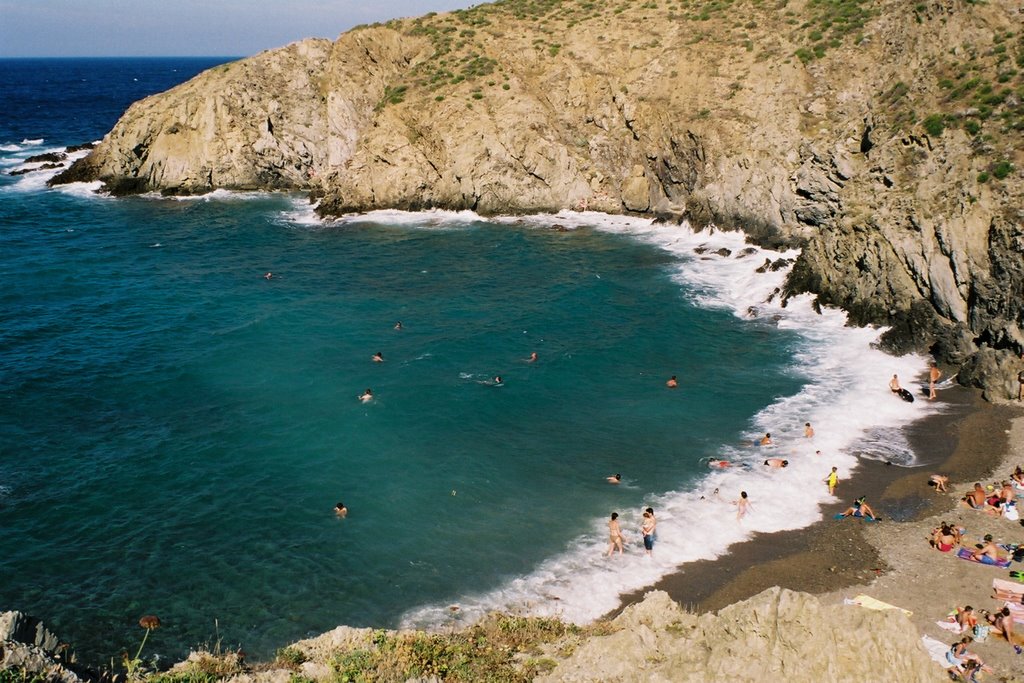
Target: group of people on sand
column 999, row 499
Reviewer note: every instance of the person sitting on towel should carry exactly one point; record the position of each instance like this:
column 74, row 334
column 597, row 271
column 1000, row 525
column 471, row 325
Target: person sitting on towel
column 860, row 508
column 988, row 553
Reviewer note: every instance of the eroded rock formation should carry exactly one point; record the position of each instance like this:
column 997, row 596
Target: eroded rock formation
column 884, row 139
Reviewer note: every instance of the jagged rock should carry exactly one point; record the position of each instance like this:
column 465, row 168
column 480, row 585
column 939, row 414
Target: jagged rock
column 49, row 156
column 26, row 645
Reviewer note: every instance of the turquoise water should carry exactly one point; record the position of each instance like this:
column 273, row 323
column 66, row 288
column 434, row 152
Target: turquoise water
column 176, row 428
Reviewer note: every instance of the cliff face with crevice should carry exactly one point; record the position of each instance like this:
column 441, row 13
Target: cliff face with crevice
column 885, row 139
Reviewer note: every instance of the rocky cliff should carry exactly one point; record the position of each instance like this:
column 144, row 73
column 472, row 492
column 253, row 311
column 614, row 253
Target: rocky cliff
column 776, row 635
column 883, row 137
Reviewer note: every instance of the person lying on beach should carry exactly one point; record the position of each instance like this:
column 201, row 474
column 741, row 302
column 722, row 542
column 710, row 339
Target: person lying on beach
column 614, row 479
column 988, row 550
column 776, row 462
column 860, row 508
column 939, row 481
column 943, row 539
column 976, row 497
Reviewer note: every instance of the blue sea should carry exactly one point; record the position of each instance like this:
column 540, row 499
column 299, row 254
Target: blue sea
column 175, row 428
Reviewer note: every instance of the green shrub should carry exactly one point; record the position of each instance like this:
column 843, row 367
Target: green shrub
column 290, row 656
column 20, row 675
column 934, row 125
column 1002, row 169
column 983, row 177
column 972, row 127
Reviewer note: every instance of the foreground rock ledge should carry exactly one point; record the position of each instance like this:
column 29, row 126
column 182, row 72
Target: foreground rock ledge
column 776, row 635
column 886, row 142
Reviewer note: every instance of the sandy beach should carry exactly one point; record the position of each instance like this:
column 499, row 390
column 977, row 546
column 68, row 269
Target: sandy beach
column 970, row 441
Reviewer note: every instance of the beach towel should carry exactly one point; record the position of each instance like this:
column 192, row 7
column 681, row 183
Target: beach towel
column 936, row 650
column 1010, row 588
column 949, row 626
column 869, row 602
column 968, row 554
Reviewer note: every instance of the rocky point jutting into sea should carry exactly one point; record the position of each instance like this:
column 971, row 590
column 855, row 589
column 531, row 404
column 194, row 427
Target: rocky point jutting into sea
column 884, row 138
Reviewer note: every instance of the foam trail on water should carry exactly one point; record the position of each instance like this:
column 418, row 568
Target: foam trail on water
column 846, row 398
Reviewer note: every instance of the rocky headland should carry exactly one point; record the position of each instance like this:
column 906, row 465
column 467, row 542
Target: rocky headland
column 882, row 137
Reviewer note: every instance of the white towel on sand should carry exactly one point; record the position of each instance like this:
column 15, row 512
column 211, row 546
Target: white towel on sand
column 936, row 650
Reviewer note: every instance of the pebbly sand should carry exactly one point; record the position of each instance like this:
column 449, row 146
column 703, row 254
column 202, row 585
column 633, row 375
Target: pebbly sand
column 891, row 560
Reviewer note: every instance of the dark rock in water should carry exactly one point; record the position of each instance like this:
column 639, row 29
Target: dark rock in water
column 49, row 156
column 700, row 250
column 777, row 264
column 724, row 252
column 79, row 148
column 746, row 251
column 43, row 167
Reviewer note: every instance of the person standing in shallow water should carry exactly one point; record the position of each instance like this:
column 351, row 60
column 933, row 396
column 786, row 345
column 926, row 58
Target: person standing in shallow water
column 614, row 534
column 647, row 529
column 933, row 376
column 742, row 505
column 832, row 480
column 808, row 430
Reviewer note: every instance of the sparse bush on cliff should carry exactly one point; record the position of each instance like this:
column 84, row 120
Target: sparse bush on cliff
column 934, row 125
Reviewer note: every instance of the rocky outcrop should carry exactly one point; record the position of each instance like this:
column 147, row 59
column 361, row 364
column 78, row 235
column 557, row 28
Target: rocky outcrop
column 884, row 140
column 28, row 647
column 775, row 635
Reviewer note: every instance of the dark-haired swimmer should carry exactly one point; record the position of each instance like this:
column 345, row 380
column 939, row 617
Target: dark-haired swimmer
column 366, row 395
column 378, row 357
column 340, row 509
column 614, row 479
column 776, row 462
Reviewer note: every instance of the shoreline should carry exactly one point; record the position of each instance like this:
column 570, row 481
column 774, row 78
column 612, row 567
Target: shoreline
column 969, row 441
column 793, row 558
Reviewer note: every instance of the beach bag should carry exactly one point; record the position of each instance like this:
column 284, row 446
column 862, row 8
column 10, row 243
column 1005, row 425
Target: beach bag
column 980, row 633
column 1010, row 512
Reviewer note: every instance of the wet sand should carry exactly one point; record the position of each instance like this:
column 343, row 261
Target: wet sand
column 970, row 442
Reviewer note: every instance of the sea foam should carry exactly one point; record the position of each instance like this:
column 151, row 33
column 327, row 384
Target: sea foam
column 845, row 397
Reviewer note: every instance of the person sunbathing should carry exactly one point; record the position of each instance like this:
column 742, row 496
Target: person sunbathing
column 988, row 553
column 975, row 498
column 943, row 539
column 860, row 508
column 966, row 619
column 1002, row 623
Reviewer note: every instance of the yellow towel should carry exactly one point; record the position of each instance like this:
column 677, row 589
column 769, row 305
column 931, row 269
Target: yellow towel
column 872, row 603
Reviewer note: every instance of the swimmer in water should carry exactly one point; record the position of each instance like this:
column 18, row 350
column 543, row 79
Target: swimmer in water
column 672, row 383
column 398, row 325
column 719, row 464
column 366, row 395
column 766, row 440
column 776, row 462
column 614, row 479
column 808, row 430
column 340, row 509
column 532, row 358
column 497, row 380
column 268, row 275
column 378, row 357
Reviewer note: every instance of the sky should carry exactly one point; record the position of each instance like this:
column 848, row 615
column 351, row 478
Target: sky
column 235, row 28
